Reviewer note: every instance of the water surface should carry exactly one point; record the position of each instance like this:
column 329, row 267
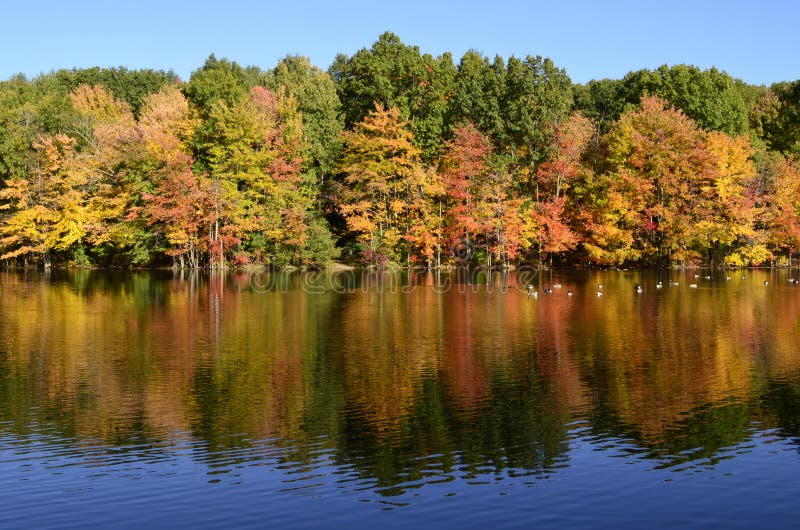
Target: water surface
column 358, row 400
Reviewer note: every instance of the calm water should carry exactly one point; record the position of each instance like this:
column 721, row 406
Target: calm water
column 329, row 400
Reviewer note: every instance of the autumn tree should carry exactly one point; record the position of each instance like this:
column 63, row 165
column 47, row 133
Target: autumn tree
column 783, row 215
column 425, row 232
column 658, row 165
column 465, row 164
column 553, row 209
column 501, row 217
column 483, row 213
column 384, row 180
column 109, row 142
column 254, row 165
column 47, row 211
column 176, row 204
column 726, row 230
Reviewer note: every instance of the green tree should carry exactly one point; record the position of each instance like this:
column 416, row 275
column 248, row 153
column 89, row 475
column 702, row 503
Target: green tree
column 218, row 83
column 713, row 99
column 18, row 128
column 476, row 96
column 709, row 97
column 129, row 86
column 393, row 74
column 536, row 95
column 781, row 121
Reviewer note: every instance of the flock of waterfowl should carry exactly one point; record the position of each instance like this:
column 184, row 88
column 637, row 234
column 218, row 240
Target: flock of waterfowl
column 548, row 288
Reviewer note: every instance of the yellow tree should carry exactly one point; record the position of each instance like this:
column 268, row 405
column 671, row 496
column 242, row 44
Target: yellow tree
column 166, row 125
column 384, row 180
column 501, row 218
column 725, row 229
column 108, row 143
column 47, row 211
column 71, row 194
column 784, row 208
column 425, row 233
column 260, row 195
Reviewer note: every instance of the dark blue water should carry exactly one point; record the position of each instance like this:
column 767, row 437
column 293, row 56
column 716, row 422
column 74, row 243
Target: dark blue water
column 152, row 399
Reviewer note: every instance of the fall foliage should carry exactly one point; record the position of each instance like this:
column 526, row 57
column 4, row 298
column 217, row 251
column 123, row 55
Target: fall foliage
column 397, row 157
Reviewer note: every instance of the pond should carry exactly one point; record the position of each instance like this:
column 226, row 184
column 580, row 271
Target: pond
column 366, row 399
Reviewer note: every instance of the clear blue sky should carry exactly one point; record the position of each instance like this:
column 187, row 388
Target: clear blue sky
column 756, row 41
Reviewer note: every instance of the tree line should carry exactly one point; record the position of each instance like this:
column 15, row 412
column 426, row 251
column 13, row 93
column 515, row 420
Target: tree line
column 395, row 156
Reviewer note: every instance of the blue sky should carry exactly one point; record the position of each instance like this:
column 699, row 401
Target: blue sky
column 756, row 41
